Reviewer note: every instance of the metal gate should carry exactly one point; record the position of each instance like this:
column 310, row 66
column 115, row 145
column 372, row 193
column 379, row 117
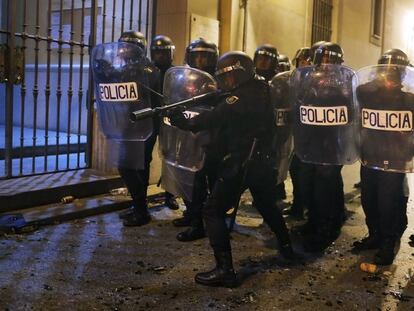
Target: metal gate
column 46, row 99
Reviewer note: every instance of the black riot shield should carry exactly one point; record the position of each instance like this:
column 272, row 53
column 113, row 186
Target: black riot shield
column 121, row 79
column 324, row 114
column 283, row 140
column 386, row 103
column 182, row 152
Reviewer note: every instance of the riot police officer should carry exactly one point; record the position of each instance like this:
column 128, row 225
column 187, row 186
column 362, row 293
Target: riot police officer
column 301, row 59
column 136, row 180
column 246, row 123
column 162, row 56
column 202, row 54
column 265, row 61
column 162, row 53
column 314, row 47
column 382, row 170
column 284, row 63
column 322, row 190
column 134, row 37
column 283, row 66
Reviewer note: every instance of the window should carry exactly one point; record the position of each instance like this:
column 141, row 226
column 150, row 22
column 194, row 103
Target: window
column 377, row 8
column 322, row 20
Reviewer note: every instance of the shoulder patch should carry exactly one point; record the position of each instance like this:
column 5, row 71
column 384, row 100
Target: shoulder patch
column 231, row 100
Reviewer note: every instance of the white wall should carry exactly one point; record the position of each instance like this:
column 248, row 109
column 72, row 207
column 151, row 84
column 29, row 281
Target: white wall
column 399, row 26
column 283, row 23
column 353, row 33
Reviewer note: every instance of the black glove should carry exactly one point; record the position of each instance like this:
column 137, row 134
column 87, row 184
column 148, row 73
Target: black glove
column 177, row 117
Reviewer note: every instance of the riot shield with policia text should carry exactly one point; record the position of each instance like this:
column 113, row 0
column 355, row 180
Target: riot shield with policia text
column 385, row 94
column 182, row 152
column 121, row 86
column 324, row 114
column 283, row 140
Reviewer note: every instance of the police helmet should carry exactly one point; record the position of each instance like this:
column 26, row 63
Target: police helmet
column 303, row 57
column 395, row 57
column 202, row 54
column 233, row 69
column 314, row 48
column 284, row 63
column 265, row 60
column 162, row 51
column 328, row 53
column 134, row 37
column 393, row 69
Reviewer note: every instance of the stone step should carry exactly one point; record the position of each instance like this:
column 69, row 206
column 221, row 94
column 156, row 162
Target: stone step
column 26, row 192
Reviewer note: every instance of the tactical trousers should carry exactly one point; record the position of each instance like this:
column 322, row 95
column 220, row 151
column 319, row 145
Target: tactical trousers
column 323, row 194
column 137, row 180
column 261, row 180
column 295, row 173
column 383, row 202
column 204, row 181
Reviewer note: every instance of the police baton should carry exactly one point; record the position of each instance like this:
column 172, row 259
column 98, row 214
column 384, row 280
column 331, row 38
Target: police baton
column 243, row 180
column 150, row 112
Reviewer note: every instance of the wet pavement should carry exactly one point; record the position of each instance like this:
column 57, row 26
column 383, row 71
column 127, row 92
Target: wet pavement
column 97, row 264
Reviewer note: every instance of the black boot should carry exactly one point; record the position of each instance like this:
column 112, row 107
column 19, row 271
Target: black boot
column 222, row 275
column 286, row 251
column 126, row 213
column 170, row 201
column 182, row 222
column 372, row 241
column 385, row 255
column 137, row 218
column 191, row 234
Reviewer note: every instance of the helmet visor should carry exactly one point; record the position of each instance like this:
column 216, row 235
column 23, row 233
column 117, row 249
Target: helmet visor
column 264, row 62
column 202, row 60
column 227, row 81
column 161, row 57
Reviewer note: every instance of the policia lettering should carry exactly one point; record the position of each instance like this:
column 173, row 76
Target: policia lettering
column 114, row 92
column 387, row 120
column 324, row 116
column 282, row 116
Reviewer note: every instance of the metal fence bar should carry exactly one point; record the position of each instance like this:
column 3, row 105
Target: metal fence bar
column 70, row 87
column 313, row 21
column 154, row 18
column 36, row 85
column 140, row 14
column 59, row 84
column 113, row 20
column 43, row 38
column 80, row 91
column 47, row 89
column 103, row 21
column 123, row 16
column 90, row 92
column 147, row 22
column 9, row 92
column 131, row 13
column 23, row 94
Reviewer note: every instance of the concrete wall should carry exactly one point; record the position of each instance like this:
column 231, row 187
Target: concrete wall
column 283, row 23
column 399, row 26
column 173, row 20
column 353, row 33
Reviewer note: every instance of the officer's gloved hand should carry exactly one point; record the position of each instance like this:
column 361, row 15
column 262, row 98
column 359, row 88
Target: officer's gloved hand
column 177, row 117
